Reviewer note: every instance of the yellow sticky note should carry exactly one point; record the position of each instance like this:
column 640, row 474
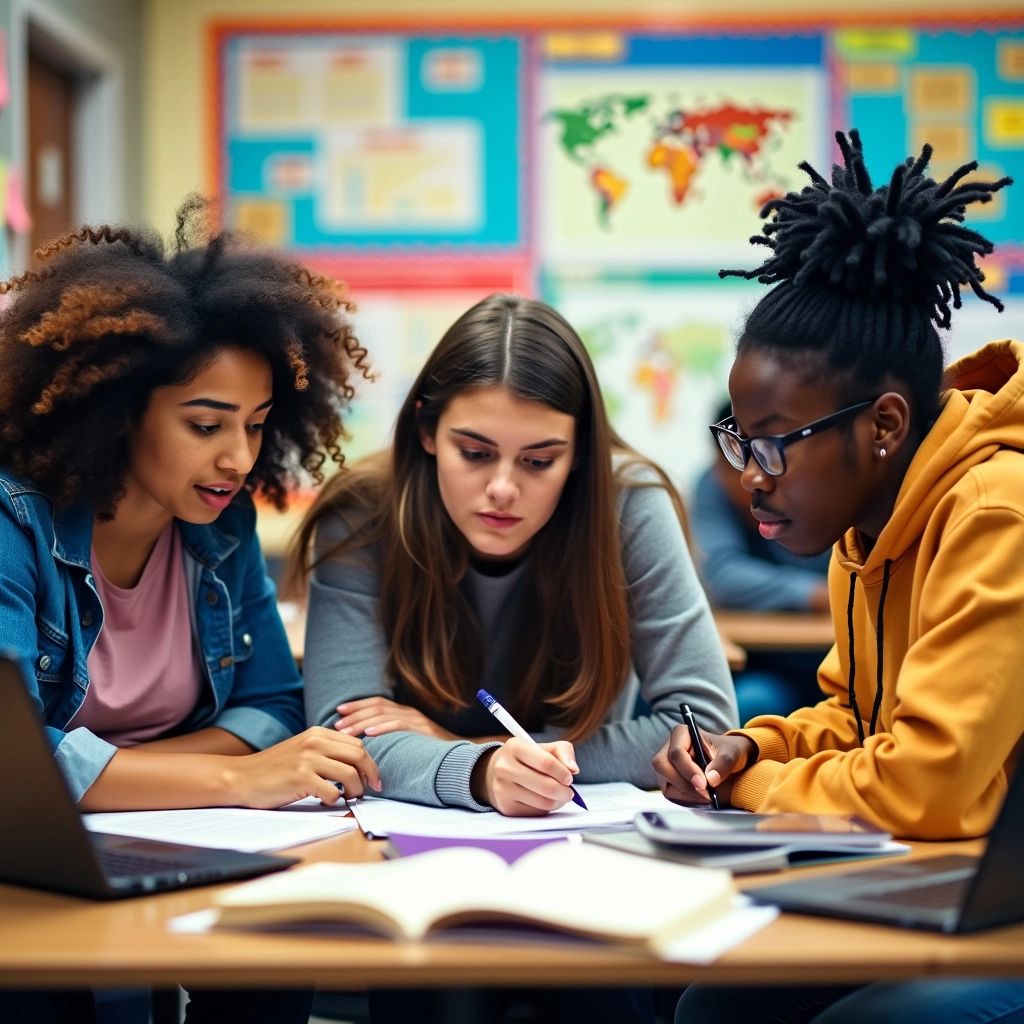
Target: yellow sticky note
column 942, row 90
column 875, row 43
column 872, row 76
column 1004, row 122
column 583, row 45
column 1010, row 60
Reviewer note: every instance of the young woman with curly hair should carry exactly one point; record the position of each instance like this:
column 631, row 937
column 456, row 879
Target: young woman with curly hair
column 146, row 394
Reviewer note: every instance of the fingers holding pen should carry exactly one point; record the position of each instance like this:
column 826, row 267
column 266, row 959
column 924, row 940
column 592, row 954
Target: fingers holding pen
column 521, row 777
column 683, row 779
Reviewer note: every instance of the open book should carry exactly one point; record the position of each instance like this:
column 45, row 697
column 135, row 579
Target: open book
column 566, row 887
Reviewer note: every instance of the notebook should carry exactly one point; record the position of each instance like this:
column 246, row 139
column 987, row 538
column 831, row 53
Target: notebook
column 953, row 893
column 741, row 860
column 47, row 846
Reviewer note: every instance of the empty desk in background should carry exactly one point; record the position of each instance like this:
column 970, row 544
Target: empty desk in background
column 776, row 631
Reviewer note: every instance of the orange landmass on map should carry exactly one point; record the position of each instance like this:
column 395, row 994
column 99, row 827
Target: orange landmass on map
column 680, row 163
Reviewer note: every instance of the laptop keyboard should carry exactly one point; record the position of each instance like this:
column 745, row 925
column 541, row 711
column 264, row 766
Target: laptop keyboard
column 937, row 895
column 117, row 864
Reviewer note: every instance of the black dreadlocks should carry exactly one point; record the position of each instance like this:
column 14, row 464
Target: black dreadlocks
column 863, row 276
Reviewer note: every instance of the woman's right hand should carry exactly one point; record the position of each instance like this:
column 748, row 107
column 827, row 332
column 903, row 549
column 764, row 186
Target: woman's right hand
column 305, row 765
column 682, row 779
column 520, row 778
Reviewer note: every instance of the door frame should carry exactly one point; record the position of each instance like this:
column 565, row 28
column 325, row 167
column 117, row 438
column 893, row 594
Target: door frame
column 98, row 119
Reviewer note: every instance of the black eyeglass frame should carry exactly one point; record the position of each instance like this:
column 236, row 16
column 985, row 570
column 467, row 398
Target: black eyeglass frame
column 779, row 442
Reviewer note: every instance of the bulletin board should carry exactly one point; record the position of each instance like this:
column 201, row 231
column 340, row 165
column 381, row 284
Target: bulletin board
column 609, row 169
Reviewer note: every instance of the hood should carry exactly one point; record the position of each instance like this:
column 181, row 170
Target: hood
column 983, row 410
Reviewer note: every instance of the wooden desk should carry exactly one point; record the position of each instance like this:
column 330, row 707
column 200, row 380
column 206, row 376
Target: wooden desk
column 51, row 941
column 774, row 631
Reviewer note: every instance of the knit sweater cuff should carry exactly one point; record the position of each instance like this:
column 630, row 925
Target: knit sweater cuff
column 770, row 745
column 451, row 784
column 752, row 785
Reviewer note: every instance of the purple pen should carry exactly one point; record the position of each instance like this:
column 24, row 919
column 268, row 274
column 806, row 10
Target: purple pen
column 516, row 729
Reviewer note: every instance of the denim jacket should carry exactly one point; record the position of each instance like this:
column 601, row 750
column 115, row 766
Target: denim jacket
column 50, row 616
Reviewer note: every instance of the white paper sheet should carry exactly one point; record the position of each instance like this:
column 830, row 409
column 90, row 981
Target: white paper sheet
column 227, row 828
column 610, row 805
column 705, row 945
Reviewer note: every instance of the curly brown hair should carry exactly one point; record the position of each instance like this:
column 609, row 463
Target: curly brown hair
column 111, row 315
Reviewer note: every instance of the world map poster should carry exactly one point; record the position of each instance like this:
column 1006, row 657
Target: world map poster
column 661, row 150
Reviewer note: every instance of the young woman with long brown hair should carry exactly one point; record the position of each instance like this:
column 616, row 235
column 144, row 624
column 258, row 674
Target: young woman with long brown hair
column 509, row 540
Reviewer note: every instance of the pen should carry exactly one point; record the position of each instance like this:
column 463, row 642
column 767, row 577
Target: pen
column 516, row 729
column 699, row 753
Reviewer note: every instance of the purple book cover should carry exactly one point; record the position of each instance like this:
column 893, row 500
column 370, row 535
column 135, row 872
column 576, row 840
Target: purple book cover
column 404, row 844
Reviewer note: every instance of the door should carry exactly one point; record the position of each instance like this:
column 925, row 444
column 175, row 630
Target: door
column 50, row 183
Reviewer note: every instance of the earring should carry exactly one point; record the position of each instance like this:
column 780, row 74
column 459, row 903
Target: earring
column 881, row 453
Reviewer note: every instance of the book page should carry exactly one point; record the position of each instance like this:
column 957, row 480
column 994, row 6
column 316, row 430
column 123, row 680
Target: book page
column 399, row 898
column 584, row 890
column 601, row 893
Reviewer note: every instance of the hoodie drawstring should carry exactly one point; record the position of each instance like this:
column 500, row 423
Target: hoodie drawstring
column 853, row 659
column 879, row 652
column 880, row 645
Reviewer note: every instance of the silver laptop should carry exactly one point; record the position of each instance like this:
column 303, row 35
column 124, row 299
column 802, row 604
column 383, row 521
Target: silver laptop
column 952, row 893
column 46, row 845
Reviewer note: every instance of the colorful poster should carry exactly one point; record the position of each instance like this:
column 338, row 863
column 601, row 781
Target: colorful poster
column 373, row 143
column 961, row 91
column 661, row 152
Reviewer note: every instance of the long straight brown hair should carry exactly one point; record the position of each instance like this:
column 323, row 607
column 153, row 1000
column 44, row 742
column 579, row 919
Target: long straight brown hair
column 572, row 646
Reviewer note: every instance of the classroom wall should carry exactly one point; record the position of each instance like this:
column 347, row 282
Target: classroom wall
column 177, row 55
column 661, row 333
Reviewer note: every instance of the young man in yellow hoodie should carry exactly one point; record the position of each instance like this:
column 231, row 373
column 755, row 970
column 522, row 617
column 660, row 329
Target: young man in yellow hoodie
column 846, row 433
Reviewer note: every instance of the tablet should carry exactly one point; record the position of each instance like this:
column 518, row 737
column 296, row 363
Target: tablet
column 684, row 826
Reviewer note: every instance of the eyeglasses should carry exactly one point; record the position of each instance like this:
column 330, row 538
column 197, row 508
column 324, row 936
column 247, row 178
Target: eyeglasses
column 769, row 450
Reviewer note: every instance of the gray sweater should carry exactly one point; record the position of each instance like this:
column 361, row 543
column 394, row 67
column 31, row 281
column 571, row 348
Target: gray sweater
column 675, row 651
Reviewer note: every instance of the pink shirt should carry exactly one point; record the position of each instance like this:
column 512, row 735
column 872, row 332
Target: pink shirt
column 144, row 670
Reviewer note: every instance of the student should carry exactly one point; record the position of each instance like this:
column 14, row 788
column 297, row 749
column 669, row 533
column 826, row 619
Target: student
column 144, row 396
column 511, row 542
column 740, row 569
column 845, row 432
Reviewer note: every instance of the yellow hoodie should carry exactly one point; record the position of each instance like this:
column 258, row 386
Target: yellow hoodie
column 941, row 596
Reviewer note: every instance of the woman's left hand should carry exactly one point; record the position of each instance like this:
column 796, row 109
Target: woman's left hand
column 374, row 716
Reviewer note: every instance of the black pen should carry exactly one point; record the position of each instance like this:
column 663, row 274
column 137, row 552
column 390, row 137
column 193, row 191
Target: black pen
column 699, row 753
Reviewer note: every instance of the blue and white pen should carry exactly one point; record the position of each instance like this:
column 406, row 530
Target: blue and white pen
column 516, row 729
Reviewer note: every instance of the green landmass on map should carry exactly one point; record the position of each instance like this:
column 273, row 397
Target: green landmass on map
column 584, row 126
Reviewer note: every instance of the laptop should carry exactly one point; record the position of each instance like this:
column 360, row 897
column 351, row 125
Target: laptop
column 46, row 845
column 953, row 893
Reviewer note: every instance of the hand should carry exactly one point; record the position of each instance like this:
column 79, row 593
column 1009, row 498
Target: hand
column 521, row 778
column 683, row 780
column 373, row 716
column 306, row 765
